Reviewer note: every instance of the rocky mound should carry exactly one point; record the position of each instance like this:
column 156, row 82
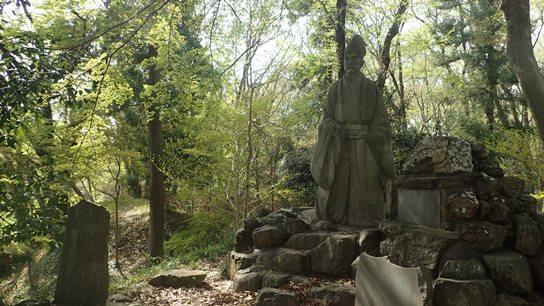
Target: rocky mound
column 482, row 238
column 462, row 231
column 281, row 250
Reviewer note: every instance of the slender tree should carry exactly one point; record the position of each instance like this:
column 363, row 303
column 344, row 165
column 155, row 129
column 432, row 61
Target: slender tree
column 340, row 34
column 385, row 52
column 157, row 190
column 522, row 59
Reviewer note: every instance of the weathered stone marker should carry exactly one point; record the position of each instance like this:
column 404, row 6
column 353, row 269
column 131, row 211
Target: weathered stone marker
column 83, row 277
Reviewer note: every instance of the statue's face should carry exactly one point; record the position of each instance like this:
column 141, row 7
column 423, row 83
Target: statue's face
column 353, row 63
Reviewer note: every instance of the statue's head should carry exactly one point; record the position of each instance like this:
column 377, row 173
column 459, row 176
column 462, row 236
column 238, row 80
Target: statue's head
column 354, row 54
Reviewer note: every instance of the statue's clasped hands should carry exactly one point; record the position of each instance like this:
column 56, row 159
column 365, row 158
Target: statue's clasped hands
column 339, row 131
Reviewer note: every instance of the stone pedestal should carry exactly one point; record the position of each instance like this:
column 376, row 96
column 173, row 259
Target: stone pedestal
column 437, row 184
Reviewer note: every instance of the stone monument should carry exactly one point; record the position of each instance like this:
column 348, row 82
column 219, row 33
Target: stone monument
column 83, row 277
column 353, row 159
column 463, row 226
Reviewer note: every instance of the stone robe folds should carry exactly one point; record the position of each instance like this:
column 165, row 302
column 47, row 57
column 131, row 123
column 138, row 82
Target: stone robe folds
column 352, row 168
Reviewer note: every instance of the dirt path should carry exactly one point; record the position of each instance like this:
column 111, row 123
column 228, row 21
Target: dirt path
column 216, row 290
column 133, row 242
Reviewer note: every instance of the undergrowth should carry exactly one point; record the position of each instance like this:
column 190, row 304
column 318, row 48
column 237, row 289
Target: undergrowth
column 126, row 202
column 206, row 236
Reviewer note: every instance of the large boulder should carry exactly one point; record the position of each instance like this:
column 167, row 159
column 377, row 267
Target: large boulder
column 276, row 297
column 528, row 240
column 460, row 250
column 499, row 212
column 463, row 270
column 440, row 155
column 268, row 259
column 539, row 218
column 307, row 214
column 332, row 295
column 511, row 187
column 119, row 298
column 463, row 205
column 244, row 236
column 369, row 241
column 267, row 237
column 238, row 261
column 260, row 212
column 293, row 261
column 530, row 204
column 274, row 279
column 334, row 255
column 537, row 270
column 415, row 248
column 486, row 189
column 178, row 278
column 484, row 161
column 515, row 205
column 510, row 300
column 482, row 235
column 451, row 292
column 286, row 221
column 306, row 241
column 283, row 259
column 248, row 280
column 510, row 271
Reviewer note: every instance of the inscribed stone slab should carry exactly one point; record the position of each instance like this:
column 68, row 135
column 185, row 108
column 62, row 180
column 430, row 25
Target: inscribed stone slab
column 83, row 277
column 419, row 206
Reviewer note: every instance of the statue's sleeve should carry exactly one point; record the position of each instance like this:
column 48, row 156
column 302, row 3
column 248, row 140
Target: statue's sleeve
column 379, row 138
column 324, row 155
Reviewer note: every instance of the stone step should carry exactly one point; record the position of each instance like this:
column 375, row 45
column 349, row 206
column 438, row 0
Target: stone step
column 333, row 257
column 329, row 294
column 303, row 254
column 254, row 278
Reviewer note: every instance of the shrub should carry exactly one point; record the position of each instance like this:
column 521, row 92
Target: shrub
column 206, row 236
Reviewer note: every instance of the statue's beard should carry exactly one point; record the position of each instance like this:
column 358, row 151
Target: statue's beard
column 352, row 70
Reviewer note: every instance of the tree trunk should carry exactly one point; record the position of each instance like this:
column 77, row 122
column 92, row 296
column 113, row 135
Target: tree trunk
column 492, row 80
column 117, row 195
column 385, row 57
column 525, row 113
column 157, row 190
column 249, row 152
column 340, row 34
column 257, row 176
column 402, row 96
column 117, row 262
column 522, row 58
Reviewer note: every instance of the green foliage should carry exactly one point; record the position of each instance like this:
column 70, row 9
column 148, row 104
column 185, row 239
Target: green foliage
column 240, row 99
column 14, row 254
column 127, row 202
column 298, row 187
column 404, row 142
column 33, row 195
column 32, row 203
column 523, row 155
column 206, row 236
column 30, row 277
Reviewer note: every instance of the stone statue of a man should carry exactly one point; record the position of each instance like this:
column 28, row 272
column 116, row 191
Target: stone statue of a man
column 353, row 159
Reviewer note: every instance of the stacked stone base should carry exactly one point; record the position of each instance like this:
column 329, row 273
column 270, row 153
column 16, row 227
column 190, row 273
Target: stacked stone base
column 316, row 257
column 477, row 233
column 459, row 233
